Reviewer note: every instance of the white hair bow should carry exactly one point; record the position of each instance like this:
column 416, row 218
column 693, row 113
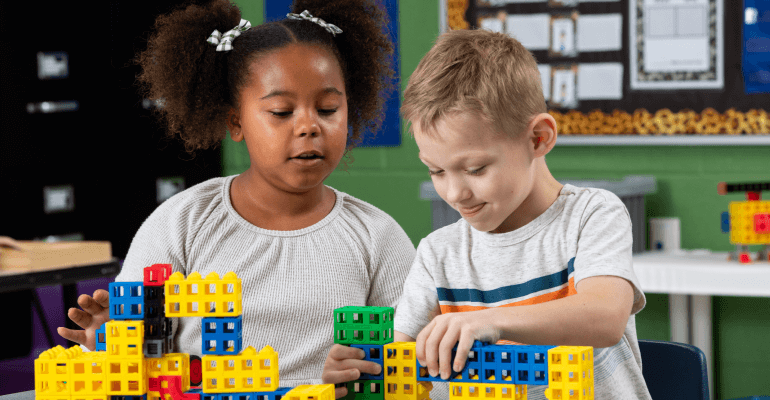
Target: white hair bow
column 333, row 29
column 225, row 42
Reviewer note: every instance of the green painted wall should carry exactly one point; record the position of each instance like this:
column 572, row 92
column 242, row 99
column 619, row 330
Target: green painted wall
column 389, row 178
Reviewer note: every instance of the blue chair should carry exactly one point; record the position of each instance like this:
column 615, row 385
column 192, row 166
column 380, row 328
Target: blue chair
column 674, row 370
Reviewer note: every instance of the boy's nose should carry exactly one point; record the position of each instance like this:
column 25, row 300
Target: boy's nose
column 456, row 192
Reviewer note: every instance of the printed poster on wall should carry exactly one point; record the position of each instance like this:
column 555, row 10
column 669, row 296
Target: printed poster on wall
column 676, row 44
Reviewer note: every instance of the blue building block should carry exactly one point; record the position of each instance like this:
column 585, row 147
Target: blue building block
column 497, row 363
column 101, row 338
column 126, row 300
column 222, row 335
column 725, row 222
column 471, row 372
column 274, row 395
column 531, row 365
column 374, row 354
column 209, row 396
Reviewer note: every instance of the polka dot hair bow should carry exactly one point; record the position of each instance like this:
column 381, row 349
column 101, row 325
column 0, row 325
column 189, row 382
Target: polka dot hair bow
column 225, row 42
column 333, row 29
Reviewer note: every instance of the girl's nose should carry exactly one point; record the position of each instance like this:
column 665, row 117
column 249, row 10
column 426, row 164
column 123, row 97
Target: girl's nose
column 306, row 124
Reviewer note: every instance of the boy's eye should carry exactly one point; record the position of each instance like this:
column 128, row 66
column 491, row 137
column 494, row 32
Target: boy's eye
column 327, row 111
column 475, row 171
column 431, row 172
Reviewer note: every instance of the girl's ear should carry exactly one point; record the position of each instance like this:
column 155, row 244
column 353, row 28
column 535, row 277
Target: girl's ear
column 234, row 125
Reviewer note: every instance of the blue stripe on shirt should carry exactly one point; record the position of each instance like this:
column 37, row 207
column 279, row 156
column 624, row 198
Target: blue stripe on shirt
column 508, row 292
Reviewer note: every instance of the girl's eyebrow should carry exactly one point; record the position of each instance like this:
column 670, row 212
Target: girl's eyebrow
column 292, row 94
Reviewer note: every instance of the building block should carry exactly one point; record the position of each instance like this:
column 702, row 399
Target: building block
column 401, row 373
column 126, row 376
column 365, row 390
column 373, row 353
column 156, row 274
column 742, row 222
column 124, row 339
column 52, row 375
column 531, row 365
column 311, row 392
column 101, row 338
column 725, row 222
column 247, row 372
column 126, row 300
column 88, row 374
column 471, row 371
column 570, row 373
column 277, row 394
column 174, row 364
column 476, row 390
column 762, row 223
column 170, row 389
column 197, row 297
column 142, row 397
column 363, row 325
column 222, row 335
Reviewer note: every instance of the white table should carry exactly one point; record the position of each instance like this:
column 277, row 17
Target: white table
column 690, row 278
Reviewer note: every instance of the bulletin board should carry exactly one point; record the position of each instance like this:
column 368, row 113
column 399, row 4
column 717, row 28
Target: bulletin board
column 600, row 77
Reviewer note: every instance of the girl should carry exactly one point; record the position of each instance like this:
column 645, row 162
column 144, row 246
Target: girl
column 300, row 92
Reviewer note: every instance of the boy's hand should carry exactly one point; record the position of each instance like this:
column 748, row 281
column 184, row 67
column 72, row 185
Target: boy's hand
column 345, row 364
column 436, row 340
column 97, row 312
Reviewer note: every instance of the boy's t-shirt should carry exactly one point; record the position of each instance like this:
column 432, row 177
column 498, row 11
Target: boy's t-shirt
column 292, row 281
column 586, row 232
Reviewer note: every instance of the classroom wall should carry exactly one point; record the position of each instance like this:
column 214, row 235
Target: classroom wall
column 687, row 176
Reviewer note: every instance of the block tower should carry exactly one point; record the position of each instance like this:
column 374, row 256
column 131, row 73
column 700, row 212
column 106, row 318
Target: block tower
column 747, row 222
column 491, row 371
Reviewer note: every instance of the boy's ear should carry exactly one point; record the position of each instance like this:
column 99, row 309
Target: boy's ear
column 233, row 123
column 543, row 133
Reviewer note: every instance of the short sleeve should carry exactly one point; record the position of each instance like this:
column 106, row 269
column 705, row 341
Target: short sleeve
column 393, row 255
column 605, row 244
column 419, row 300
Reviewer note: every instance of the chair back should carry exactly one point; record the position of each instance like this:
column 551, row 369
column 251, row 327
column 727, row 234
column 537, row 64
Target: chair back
column 674, row 370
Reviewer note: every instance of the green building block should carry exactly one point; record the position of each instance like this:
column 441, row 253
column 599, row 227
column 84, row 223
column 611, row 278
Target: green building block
column 363, row 325
column 365, row 390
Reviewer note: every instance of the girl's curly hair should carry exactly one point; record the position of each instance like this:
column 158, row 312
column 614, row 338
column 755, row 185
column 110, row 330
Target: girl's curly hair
column 197, row 85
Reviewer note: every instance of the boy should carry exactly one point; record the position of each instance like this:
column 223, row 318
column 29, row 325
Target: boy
column 532, row 261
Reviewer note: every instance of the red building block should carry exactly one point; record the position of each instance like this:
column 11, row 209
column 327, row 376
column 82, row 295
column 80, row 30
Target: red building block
column 174, row 388
column 762, row 223
column 156, row 274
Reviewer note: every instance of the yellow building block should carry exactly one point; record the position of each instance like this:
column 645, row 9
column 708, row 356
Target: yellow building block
column 247, row 372
column 400, row 378
column 173, row 364
column 742, row 222
column 311, row 392
column 52, row 372
column 498, row 391
column 197, row 297
column 570, row 373
column 124, row 339
column 88, row 374
column 126, row 376
column 89, row 397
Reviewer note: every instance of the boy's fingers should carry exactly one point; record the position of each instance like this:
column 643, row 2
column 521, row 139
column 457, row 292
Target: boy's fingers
column 340, row 392
column 81, row 318
column 371, row 368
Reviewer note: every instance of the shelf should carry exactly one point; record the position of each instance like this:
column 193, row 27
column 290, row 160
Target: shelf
column 663, row 140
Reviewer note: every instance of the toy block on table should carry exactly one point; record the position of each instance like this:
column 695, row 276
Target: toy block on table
column 247, row 372
column 126, row 300
column 126, row 376
column 222, row 335
column 570, row 373
column 365, row 390
column 88, row 374
column 363, row 325
column 401, row 373
column 53, row 373
column 475, row 390
column 197, row 297
column 175, row 364
column 531, row 365
column 311, row 392
column 276, row 394
column 101, row 338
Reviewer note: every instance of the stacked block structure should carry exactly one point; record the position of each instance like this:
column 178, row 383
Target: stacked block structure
column 747, row 222
column 134, row 357
column 491, row 371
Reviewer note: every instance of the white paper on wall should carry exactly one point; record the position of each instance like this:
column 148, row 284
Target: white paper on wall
column 600, row 81
column 530, row 29
column 599, row 32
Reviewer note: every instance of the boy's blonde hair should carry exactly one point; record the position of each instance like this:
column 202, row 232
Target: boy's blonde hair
column 480, row 71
